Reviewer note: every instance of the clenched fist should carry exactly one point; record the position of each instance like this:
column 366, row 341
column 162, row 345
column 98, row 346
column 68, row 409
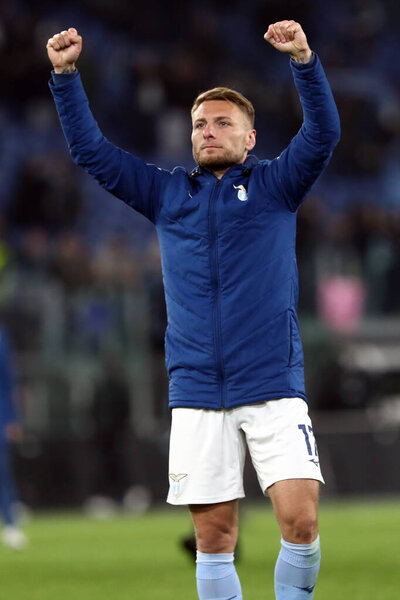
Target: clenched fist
column 64, row 49
column 288, row 37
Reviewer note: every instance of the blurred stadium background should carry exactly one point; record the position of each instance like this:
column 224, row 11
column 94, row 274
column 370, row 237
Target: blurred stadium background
column 80, row 283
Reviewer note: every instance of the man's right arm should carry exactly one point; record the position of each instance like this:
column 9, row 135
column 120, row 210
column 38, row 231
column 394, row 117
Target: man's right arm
column 122, row 174
column 292, row 175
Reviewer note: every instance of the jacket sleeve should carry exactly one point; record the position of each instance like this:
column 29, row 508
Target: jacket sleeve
column 119, row 172
column 292, row 174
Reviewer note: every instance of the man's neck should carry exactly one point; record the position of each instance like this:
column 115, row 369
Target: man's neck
column 220, row 174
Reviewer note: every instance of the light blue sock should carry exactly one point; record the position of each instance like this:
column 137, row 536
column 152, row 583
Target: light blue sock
column 217, row 578
column 297, row 570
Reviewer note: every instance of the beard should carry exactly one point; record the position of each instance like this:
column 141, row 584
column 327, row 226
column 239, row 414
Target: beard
column 226, row 160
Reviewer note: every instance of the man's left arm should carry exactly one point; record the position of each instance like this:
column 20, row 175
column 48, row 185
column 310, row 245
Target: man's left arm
column 297, row 168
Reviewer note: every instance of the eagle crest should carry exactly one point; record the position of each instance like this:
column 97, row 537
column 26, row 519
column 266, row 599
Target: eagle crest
column 177, row 478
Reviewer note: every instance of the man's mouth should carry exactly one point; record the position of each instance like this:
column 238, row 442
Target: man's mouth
column 208, row 146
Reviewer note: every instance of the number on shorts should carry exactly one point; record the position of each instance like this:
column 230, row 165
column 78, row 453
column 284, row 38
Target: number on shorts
column 307, row 438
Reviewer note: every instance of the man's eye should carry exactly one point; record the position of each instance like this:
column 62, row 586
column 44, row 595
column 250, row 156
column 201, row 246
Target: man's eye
column 199, row 125
column 223, row 123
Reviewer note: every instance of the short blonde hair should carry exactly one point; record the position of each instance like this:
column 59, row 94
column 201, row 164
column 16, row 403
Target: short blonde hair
column 223, row 93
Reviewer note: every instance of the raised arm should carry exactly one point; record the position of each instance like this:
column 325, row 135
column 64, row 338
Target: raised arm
column 124, row 175
column 292, row 174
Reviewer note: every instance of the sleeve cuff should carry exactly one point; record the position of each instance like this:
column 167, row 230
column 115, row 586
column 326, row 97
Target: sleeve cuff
column 59, row 78
column 300, row 66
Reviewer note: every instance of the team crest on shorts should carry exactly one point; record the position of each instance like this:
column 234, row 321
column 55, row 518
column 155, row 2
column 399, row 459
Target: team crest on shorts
column 176, row 482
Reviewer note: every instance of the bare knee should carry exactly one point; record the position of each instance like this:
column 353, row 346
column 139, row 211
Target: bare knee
column 300, row 528
column 216, row 528
column 215, row 538
column 295, row 503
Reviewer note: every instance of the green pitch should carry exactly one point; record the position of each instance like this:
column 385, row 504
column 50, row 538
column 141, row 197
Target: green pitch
column 139, row 558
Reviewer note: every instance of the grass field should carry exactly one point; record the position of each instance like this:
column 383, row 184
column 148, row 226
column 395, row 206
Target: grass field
column 139, row 558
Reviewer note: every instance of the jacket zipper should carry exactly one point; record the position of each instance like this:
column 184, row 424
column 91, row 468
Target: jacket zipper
column 216, row 287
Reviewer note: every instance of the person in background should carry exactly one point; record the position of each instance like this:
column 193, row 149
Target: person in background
column 110, row 416
column 10, row 432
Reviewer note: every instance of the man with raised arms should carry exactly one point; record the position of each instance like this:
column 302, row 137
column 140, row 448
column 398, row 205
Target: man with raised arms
column 233, row 350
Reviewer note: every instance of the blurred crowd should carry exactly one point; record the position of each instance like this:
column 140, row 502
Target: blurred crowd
column 142, row 69
column 79, row 271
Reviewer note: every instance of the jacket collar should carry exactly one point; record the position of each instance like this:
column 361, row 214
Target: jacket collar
column 245, row 167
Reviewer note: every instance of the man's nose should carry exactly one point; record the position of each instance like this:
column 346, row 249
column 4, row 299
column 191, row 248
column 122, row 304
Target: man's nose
column 208, row 131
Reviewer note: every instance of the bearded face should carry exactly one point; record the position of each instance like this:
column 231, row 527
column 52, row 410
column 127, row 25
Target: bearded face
column 221, row 136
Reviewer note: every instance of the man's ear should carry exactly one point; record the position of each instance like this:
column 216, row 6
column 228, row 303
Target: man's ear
column 251, row 142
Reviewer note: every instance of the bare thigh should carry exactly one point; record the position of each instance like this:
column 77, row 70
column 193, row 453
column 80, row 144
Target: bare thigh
column 216, row 526
column 295, row 503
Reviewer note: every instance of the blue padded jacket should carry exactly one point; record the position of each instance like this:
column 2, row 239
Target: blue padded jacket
column 227, row 248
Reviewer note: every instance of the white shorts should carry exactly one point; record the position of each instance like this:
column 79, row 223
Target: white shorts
column 208, row 448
